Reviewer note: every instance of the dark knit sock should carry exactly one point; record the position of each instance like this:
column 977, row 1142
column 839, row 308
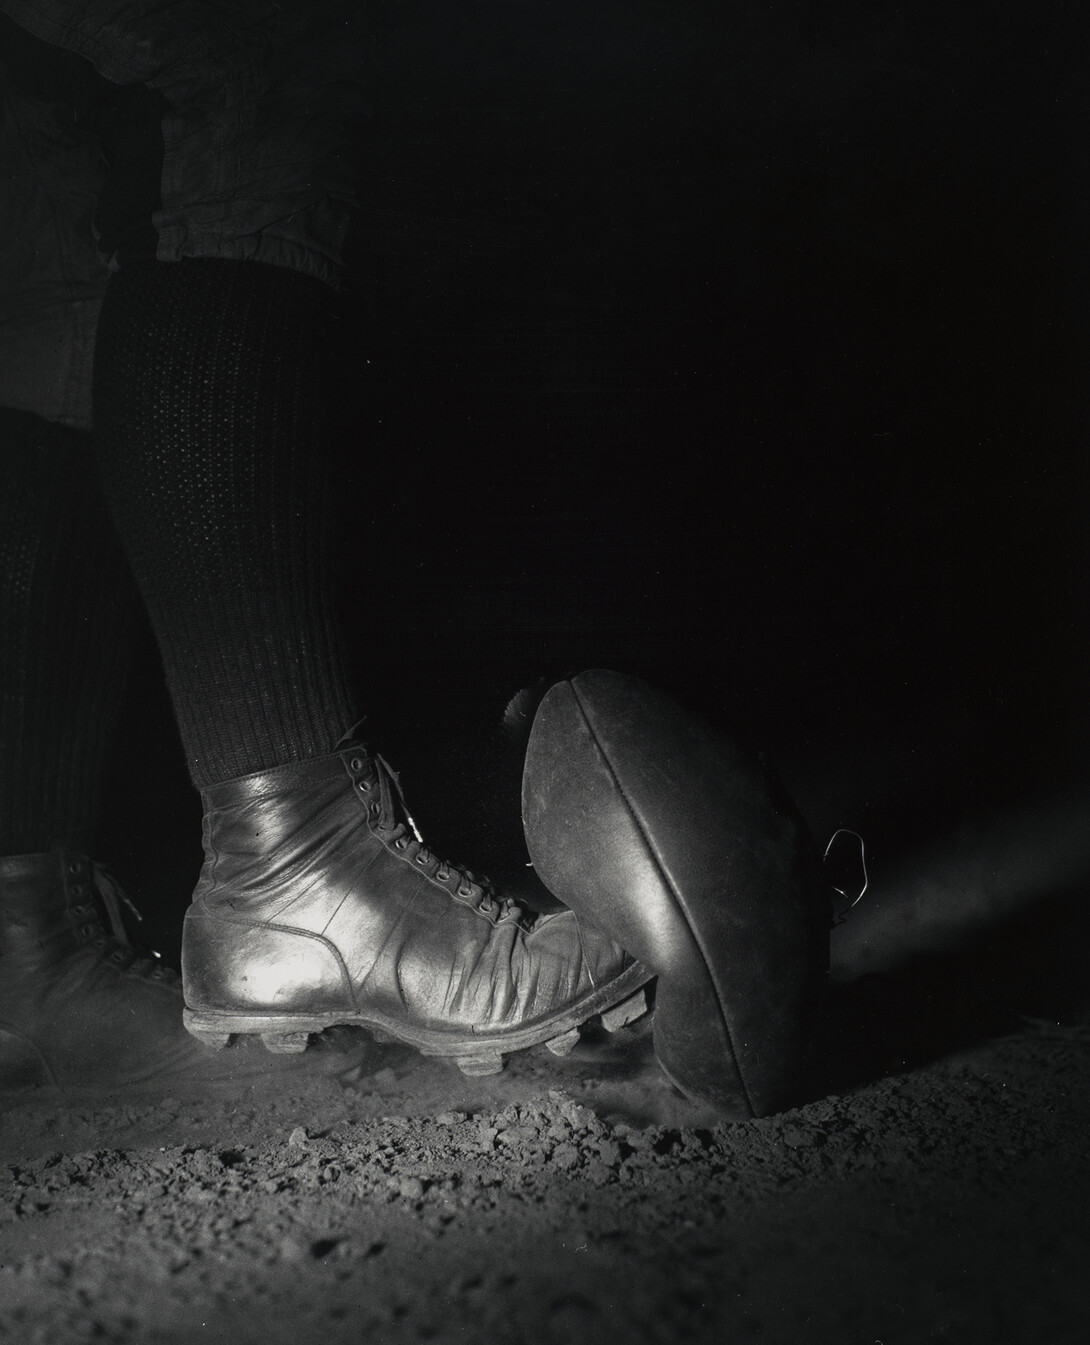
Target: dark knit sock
column 68, row 613
column 219, row 396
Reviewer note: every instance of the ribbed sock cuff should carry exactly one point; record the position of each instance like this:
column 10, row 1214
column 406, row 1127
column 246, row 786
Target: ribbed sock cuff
column 220, row 393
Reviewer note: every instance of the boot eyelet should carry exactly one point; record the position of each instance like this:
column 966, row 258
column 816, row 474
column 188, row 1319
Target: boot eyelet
column 375, row 808
column 442, row 874
column 357, row 763
column 75, row 867
column 87, row 930
column 464, row 891
column 422, row 859
column 364, row 786
column 401, row 843
column 77, row 889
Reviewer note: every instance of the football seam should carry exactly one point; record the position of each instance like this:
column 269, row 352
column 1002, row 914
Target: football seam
column 644, row 835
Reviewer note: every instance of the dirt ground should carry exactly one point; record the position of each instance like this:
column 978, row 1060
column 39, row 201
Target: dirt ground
column 933, row 1187
column 867, row 326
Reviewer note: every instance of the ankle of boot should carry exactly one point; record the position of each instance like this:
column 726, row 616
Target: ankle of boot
column 257, row 820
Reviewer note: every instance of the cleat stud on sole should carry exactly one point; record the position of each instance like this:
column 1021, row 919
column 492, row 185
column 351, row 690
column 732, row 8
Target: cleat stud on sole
column 564, row 1044
column 285, row 1043
column 479, row 1065
column 626, row 1012
column 210, row 1036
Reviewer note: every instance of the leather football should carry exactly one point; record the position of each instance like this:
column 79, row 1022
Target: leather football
column 679, row 842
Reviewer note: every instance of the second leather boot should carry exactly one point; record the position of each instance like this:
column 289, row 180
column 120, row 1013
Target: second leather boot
column 83, row 1009
column 319, row 905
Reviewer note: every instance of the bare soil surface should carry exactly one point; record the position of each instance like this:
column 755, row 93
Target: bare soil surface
column 941, row 1196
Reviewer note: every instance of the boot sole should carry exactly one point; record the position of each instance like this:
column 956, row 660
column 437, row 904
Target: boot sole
column 620, row 1002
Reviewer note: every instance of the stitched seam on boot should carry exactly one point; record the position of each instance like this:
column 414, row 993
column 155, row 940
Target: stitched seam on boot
column 299, row 933
column 390, row 933
column 583, row 955
column 211, row 852
column 662, row 871
column 361, row 873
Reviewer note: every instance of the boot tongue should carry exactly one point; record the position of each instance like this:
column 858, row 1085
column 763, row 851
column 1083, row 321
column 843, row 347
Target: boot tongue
column 394, row 807
column 392, row 800
column 395, row 815
column 113, row 898
column 351, row 738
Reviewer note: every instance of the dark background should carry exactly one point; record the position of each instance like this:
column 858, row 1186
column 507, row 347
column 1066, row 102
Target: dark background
column 742, row 347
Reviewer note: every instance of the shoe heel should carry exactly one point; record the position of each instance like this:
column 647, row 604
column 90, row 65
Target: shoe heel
column 210, row 1036
column 564, row 1044
column 626, row 1012
column 476, row 1066
column 285, row 1043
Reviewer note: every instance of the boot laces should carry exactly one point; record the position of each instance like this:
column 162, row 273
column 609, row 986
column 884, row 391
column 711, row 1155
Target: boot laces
column 397, row 823
column 111, row 898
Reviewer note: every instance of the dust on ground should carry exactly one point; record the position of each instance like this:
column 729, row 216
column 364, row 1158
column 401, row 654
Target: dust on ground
column 575, row 1199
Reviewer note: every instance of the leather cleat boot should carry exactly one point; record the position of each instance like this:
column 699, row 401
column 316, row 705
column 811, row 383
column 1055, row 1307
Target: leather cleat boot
column 644, row 818
column 320, row 905
column 83, row 1009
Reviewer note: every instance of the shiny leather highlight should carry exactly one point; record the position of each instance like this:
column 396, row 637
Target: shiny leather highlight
column 318, row 903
